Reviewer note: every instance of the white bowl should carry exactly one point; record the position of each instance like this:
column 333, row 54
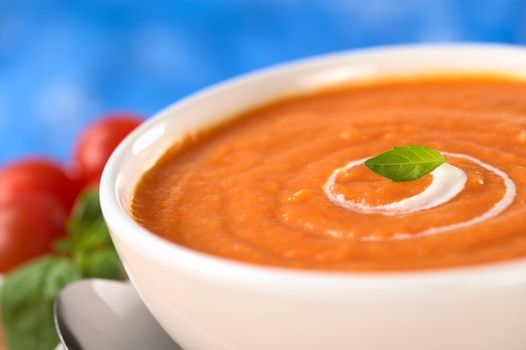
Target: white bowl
column 206, row 302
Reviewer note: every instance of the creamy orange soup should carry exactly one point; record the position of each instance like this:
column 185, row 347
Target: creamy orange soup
column 257, row 189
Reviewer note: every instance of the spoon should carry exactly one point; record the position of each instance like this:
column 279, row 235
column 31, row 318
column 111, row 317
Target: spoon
column 100, row 314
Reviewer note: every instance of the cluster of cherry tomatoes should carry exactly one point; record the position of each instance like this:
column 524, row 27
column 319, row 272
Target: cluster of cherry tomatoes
column 37, row 194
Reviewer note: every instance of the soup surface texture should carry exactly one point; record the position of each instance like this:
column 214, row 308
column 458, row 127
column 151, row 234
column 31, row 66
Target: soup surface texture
column 257, row 189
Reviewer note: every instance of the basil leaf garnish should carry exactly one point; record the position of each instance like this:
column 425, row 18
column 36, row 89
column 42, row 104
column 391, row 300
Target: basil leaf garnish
column 406, row 163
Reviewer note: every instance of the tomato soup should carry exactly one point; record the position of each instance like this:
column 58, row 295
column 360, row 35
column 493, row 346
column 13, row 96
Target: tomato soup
column 285, row 185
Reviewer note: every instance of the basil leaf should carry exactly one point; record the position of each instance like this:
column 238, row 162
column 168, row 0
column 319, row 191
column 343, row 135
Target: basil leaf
column 103, row 263
column 87, row 216
column 406, row 163
column 29, row 292
column 90, row 241
column 27, row 302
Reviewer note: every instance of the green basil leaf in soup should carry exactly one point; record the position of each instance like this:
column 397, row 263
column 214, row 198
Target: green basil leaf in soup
column 406, row 163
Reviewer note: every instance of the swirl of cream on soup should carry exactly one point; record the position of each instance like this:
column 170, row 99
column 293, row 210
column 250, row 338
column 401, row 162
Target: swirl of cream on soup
column 448, row 181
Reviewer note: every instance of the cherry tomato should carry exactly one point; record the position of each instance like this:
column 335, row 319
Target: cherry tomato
column 97, row 143
column 37, row 175
column 28, row 226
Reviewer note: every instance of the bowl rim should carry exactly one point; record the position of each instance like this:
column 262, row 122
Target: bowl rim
column 492, row 274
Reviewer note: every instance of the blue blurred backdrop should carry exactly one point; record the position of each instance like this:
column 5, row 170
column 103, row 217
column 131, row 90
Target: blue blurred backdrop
column 63, row 63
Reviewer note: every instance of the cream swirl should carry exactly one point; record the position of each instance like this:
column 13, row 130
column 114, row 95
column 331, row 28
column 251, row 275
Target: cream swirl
column 448, row 181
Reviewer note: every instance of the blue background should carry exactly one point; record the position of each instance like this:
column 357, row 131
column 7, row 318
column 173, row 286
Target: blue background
column 63, row 63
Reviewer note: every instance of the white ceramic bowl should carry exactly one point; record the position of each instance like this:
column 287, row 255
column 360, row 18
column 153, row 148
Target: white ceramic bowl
column 210, row 303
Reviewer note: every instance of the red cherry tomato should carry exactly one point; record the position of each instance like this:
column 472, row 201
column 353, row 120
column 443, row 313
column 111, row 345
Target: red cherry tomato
column 97, row 143
column 37, row 175
column 28, row 226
